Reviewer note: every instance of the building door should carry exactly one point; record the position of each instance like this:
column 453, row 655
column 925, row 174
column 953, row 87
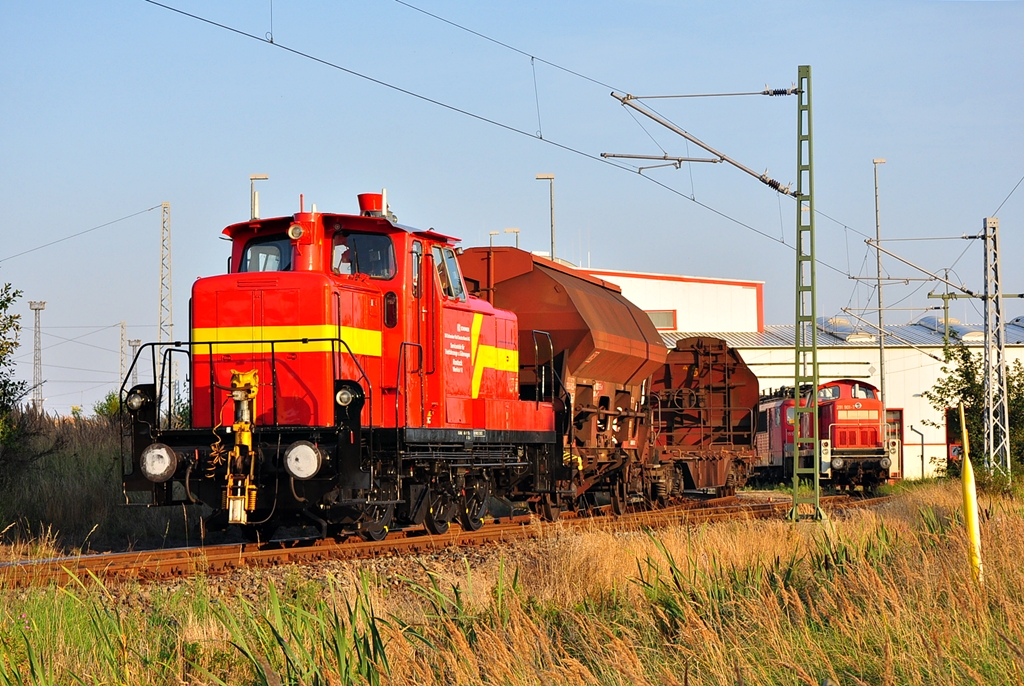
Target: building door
column 894, row 430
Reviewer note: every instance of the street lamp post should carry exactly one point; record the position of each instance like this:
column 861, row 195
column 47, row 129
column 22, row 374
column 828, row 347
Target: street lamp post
column 492, row 235
column 551, row 178
column 516, row 232
column 881, row 311
column 254, row 197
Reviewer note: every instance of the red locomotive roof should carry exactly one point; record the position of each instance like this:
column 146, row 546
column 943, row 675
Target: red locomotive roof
column 349, row 221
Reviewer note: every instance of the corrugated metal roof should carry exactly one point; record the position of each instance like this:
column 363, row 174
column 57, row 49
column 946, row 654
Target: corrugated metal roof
column 782, row 336
column 1015, row 332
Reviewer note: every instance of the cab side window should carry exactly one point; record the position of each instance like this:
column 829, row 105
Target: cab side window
column 829, row 393
column 454, row 274
column 417, row 261
column 268, row 254
column 448, row 273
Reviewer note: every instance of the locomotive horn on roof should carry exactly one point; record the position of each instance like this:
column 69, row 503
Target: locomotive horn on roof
column 376, row 205
column 371, row 204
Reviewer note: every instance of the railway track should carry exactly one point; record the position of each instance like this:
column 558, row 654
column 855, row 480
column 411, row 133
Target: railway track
column 170, row 563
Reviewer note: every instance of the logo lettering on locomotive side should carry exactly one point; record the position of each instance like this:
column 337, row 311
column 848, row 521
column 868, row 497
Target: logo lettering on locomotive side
column 481, row 356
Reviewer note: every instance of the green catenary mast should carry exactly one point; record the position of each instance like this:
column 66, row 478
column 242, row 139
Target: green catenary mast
column 805, row 416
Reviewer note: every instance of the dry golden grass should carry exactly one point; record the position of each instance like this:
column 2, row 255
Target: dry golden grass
column 875, row 597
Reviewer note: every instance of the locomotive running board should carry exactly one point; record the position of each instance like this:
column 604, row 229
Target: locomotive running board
column 481, row 436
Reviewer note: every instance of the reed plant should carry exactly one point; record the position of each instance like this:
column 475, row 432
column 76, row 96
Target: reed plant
column 63, row 495
column 873, row 597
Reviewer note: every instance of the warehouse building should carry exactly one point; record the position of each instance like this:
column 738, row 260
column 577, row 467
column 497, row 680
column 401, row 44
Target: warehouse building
column 683, row 306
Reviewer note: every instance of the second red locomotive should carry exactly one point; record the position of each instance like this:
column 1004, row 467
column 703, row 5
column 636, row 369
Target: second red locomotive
column 854, row 451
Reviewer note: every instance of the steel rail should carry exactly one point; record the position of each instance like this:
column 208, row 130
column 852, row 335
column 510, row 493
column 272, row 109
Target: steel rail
column 172, row 563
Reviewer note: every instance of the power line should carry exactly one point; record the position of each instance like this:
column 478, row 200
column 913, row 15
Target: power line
column 79, row 342
column 83, row 391
column 75, row 235
column 75, row 340
column 74, row 369
column 1007, row 197
column 93, row 326
column 78, row 381
column 467, row 113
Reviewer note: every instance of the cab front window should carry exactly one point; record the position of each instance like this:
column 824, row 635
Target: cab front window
column 363, row 253
column 863, row 391
column 268, row 254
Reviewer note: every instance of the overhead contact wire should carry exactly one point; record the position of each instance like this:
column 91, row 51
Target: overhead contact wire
column 506, row 45
column 385, row 84
column 766, row 91
column 473, row 115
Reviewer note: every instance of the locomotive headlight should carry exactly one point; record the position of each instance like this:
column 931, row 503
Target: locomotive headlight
column 349, row 397
column 135, row 400
column 838, row 462
column 295, row 232
column 158, row 462
column 884, row 463
column 302, row 460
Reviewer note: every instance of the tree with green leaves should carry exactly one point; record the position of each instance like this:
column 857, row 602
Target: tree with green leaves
column 109, row 407
column 12, row 391
column 962, row 381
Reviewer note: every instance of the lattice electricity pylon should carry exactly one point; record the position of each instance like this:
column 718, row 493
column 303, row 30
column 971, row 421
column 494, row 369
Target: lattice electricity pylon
column 135, row 343
column 165, row 325
column 37, row 306
column 997, row 417
column 805, row 416
column 124, row 351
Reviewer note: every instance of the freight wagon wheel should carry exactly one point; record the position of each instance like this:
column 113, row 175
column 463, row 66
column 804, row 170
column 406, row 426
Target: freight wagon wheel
column 473, row 507
column 618, row 496
column 550, row 509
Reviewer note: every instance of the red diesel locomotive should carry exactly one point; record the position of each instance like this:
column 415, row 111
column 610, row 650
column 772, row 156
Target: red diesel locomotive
column 854, row 451
column 360, row 375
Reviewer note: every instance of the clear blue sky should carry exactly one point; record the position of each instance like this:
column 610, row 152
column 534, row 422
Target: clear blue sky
column 111, row 108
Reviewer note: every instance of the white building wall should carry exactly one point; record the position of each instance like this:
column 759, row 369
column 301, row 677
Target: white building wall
column 700, row 305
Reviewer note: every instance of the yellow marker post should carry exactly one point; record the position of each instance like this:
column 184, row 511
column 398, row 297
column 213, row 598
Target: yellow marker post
column 970, row 504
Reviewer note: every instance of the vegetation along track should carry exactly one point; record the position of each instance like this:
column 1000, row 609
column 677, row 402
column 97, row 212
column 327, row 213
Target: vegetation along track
column 152, row 565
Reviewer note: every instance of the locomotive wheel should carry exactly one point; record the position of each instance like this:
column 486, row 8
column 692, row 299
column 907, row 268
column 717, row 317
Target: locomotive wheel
column 377, row 522
column 474, row 507
column 439, row 514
